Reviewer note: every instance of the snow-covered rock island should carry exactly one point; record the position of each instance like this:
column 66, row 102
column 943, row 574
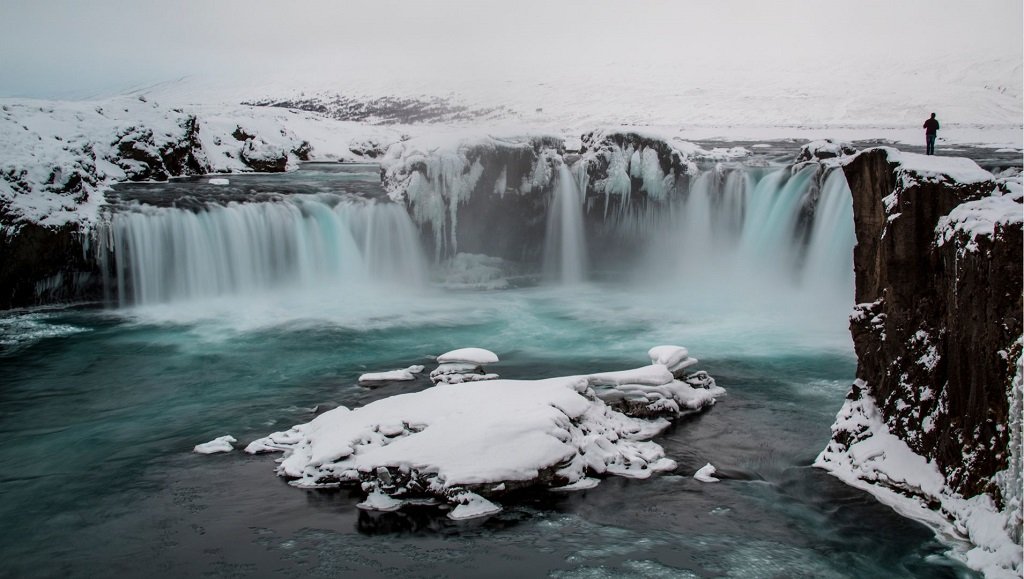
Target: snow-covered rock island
column 468, row 443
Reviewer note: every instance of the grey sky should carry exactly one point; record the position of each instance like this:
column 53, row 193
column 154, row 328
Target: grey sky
column 74, row 48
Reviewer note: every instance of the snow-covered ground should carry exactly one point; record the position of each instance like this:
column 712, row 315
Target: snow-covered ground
column 977, row 100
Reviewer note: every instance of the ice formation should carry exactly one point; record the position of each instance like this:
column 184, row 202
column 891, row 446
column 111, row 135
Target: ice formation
column 463, row 365
column 219, row 444
column 477, row 356
column 465, row 443
column 706, row 474
column 391, row 375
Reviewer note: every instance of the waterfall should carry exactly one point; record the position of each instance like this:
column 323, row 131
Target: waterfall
column 769, row 232
column 565, row 248
column 752, row 239
column 164, row 254
column 829, row 261
column 736, row 235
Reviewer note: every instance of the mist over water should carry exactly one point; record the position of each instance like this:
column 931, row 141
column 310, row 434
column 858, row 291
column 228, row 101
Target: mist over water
column 768, row 250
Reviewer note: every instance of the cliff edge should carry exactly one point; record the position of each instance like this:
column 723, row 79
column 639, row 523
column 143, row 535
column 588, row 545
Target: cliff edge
column 932, row 425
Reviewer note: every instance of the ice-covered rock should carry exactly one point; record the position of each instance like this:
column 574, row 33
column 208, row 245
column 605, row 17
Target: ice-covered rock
column 653, row 375
column 463, row 365
column 824, row 149
column 668, row 356
column 657, row 390
column 391, row 375
column 671, row 399
column 471, row 506
column 478, row 356
column 219, row 444
column 706, row 474
column 465, row 444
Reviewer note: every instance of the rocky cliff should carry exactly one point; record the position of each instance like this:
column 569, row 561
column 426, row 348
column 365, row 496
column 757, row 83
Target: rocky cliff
column 57, row 160
column 937, row 332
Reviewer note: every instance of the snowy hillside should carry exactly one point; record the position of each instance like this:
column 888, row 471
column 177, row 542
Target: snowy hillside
column 863, row 95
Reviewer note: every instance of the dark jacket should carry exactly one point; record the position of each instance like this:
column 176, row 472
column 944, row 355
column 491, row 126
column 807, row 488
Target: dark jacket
column 931, row 126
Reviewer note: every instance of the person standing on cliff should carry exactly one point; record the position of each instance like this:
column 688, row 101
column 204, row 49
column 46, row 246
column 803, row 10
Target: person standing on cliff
column 931, row 127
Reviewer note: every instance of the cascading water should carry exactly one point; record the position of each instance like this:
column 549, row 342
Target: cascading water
column 565, row 248
column 763, row 242
column 161, row 254
column 829, row 260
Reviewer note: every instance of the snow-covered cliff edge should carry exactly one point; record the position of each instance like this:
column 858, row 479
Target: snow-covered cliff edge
column 932, row 425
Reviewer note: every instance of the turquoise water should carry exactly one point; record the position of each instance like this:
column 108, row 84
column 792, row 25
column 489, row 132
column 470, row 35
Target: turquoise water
column 100, row 410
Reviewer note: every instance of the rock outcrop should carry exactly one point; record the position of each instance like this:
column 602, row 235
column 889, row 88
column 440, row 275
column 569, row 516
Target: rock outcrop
column 937, row 332
column 935, row 324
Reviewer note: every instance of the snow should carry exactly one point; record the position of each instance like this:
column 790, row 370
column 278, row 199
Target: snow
column 983, row 217
column 219, row 444
column 471, row 506
column 824, row 149
column 219, row 181
column 939, row 168
column 882, row 464
column 668, row 355
column 48, row 146
column 462, row 442
column 706, row 474
column 478, row 356
column 653, row 375
column 974, row 96
column 378, row 501
column 392, row 375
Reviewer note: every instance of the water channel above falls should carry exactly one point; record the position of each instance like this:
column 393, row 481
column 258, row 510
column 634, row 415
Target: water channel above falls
column 102, row 405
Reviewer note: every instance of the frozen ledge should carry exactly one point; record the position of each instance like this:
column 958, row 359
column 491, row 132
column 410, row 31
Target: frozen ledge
column 465, row 443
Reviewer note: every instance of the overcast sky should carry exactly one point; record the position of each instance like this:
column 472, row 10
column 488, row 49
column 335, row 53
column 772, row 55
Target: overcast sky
column 79, row 48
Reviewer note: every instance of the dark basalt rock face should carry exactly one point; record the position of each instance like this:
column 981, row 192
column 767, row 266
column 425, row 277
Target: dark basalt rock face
column 936, row 325
column 56, row 260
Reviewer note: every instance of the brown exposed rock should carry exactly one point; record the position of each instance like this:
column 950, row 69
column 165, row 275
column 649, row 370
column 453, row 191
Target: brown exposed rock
column 934, row 324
